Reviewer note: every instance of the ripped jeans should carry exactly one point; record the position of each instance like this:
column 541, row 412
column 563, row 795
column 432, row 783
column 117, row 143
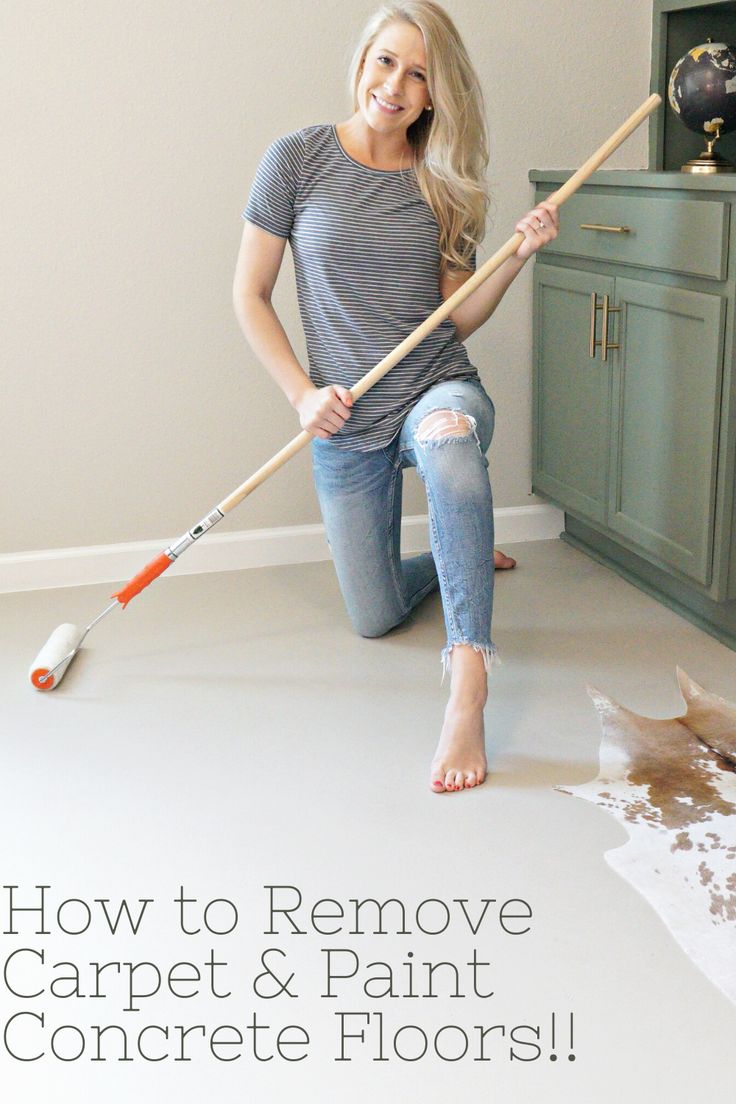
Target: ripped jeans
column 360, row 499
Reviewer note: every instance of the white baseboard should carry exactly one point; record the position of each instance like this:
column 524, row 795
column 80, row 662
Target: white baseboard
column 114, row 563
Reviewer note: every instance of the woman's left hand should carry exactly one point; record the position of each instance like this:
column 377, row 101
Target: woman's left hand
column 540, row 226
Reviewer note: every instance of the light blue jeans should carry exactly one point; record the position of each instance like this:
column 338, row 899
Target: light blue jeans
column 360, row 499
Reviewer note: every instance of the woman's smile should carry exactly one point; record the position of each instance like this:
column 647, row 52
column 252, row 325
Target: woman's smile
column 386, row 106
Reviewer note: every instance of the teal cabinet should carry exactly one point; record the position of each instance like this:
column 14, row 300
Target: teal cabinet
column 665, row 421
column 634, row 427
column 571, row 392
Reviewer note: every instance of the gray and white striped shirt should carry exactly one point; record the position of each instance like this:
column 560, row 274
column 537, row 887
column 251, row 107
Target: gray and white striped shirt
column 366, row 258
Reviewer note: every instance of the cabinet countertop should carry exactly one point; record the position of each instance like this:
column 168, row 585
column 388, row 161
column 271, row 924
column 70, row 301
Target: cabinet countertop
column 643, row 178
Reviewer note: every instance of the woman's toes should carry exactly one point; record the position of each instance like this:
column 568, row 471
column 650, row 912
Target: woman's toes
column 469, row 779
column 502, row 561
column 450, row 780
column 436, row 782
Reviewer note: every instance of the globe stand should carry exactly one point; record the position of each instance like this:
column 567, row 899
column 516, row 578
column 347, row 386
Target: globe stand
column 709, row 162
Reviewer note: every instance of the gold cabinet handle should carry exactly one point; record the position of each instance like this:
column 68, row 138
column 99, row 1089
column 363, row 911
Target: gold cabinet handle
column 610, row 229
column 604, row 342
column 605, row 346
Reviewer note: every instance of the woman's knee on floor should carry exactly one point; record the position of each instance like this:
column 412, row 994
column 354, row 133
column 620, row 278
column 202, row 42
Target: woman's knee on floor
column 373, row 623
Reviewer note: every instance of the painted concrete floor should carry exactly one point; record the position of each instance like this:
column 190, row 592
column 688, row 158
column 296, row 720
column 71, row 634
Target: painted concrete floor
column 228, row 733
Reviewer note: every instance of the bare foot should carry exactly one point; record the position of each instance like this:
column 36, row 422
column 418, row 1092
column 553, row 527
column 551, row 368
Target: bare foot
column 501, row 561
column 460, row 760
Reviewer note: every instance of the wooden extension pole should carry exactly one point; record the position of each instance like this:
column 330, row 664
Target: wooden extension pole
column 445, row 309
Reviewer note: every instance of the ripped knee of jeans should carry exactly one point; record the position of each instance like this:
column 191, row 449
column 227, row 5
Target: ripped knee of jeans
column 445, row 425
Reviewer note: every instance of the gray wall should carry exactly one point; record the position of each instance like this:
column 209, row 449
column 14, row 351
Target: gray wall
column 131, row 403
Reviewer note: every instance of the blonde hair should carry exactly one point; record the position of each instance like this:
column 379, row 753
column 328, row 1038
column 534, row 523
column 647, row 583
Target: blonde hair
column 450, row 143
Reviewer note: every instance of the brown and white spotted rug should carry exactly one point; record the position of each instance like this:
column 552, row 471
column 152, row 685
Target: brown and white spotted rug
column 672, row 785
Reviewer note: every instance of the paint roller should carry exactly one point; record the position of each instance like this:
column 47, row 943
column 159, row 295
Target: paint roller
column 53, row 660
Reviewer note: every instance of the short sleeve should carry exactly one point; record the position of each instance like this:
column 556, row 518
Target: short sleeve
column 275, row 186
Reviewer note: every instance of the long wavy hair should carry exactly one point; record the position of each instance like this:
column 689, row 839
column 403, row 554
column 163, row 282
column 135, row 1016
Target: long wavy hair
column 450, row 143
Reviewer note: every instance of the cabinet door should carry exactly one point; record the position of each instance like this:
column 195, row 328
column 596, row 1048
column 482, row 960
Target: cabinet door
column 571, row 391
column 666, row 399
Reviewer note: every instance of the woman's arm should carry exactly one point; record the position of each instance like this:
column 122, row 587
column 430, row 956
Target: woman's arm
column 257, row 268
column 322, row 411
column 479, row 306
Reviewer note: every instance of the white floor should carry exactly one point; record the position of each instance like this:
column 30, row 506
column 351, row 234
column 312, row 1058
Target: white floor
column 228, row 732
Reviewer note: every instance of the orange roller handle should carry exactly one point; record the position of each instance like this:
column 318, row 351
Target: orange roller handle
column 140, row 581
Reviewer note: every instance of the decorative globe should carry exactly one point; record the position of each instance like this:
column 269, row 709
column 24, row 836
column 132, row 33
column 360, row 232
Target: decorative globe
column 702, row 89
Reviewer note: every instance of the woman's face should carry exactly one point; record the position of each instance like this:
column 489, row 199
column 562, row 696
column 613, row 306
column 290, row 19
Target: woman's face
column 393, row 92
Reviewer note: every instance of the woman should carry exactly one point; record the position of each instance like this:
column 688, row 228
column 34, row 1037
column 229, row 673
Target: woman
column 384, row 212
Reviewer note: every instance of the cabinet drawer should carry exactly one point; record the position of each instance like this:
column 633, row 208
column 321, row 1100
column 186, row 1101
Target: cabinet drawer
column 675, row 235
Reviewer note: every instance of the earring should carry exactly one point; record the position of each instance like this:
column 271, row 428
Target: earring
column 430, row 108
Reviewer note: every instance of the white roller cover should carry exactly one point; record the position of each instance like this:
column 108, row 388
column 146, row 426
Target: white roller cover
column 62, row 641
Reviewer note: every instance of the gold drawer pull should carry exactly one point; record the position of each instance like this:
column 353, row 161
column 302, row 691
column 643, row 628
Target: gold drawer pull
column 610, row 229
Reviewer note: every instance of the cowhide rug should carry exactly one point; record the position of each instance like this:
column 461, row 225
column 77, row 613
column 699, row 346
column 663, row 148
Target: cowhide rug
column 672, row 785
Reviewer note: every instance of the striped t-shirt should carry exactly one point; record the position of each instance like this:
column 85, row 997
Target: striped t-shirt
column 366, row 255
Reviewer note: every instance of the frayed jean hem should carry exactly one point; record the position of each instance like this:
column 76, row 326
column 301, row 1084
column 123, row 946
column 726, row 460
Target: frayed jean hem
column 488, row 651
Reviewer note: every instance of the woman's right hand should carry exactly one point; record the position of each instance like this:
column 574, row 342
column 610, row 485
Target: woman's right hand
column 324, row 410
